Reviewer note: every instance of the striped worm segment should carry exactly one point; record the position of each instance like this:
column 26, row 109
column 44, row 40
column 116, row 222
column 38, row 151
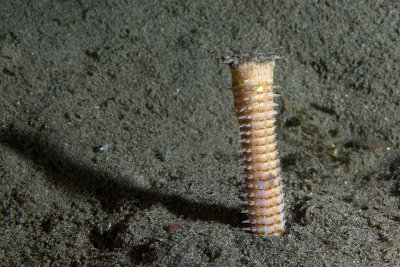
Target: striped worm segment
column 253, row 99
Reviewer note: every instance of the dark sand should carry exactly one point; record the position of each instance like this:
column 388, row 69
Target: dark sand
column 142, row 78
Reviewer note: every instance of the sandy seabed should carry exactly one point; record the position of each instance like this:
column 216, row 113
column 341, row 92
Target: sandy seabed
column 118, row 138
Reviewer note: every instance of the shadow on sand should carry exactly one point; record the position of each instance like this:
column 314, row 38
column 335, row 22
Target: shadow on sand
column 80, row 179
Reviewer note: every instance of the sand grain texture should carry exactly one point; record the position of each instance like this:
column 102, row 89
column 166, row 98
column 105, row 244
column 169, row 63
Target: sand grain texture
column 76, row 76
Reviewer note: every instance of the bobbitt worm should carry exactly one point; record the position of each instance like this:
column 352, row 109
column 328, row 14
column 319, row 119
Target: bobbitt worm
column 252, row 79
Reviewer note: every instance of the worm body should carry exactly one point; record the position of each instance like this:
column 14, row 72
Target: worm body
column 253, row 99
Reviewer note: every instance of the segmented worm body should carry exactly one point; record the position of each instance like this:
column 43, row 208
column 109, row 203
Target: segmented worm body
column 253, row 99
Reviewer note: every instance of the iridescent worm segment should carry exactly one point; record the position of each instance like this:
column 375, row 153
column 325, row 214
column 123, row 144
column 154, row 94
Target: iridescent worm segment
column 252, row 78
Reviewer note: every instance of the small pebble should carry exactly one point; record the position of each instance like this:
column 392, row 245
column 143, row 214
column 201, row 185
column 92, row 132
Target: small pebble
column 105, row 147
column 167, row 154
column 174, row 227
